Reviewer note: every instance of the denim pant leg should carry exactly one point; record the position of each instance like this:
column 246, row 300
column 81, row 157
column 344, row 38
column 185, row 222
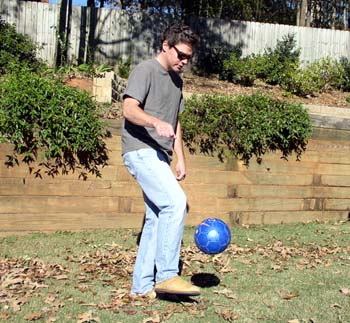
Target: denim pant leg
column 165, row 215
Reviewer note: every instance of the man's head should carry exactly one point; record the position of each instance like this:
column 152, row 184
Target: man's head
column 179, row 33
column 178, row 42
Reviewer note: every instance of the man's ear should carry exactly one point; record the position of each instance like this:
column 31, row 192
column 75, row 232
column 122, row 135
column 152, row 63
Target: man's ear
column 165, row 46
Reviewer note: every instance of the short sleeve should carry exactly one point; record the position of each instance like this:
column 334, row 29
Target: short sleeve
column 138, row 84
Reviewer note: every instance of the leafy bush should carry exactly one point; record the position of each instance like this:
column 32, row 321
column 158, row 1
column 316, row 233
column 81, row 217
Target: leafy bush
column 274, row 66
column 16, row 50
column 345, row 63
column 301, row 83
column 124, row 68
column 281, row 61
column 41, row 115
column 245, row 126
column 330, row 71
column 280, row 66
column 241, row 70
column 320, row 76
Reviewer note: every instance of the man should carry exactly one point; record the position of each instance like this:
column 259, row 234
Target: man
column 152, row 102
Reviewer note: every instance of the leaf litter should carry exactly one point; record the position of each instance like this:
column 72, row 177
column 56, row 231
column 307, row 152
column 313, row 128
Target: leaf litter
column 22, row 278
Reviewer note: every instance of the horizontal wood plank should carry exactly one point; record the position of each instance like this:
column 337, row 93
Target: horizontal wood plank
column 275, row 191
column 260, row 204
column 289, row 191
column 278, row 217
column 68, row 221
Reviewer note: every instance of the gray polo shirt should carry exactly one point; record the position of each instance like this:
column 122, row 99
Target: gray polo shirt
column 160, row 94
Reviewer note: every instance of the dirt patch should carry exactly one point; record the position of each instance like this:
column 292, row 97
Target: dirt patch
column 196, row 84
column 81, row 83
column 211, row 85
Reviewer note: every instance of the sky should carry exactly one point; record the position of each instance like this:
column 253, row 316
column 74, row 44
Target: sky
column 75, row 2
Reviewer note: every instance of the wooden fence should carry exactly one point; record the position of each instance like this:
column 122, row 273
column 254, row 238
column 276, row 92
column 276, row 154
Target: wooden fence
column 111, row 34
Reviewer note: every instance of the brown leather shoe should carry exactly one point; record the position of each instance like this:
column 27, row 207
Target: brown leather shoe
column 176, row 285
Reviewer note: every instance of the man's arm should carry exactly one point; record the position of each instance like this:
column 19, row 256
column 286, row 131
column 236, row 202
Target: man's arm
column 178, row 148
column 133, row 113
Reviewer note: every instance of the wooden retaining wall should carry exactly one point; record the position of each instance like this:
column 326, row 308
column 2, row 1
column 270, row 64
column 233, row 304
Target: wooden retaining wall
column 275, row 191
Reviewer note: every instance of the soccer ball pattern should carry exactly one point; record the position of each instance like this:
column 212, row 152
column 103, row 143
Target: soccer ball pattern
column 212, row 236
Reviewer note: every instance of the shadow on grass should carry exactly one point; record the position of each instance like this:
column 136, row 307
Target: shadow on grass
column 205, row 280
column 175, row 298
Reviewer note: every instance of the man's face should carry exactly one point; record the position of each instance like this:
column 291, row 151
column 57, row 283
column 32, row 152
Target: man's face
column 178, row 56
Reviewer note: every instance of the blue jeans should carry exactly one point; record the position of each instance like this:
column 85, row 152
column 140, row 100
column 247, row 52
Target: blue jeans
column 166, row 210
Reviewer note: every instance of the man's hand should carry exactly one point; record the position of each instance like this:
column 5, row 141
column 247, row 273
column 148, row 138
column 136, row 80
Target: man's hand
column 164, row 129
column 180, row 170
column 133, row 113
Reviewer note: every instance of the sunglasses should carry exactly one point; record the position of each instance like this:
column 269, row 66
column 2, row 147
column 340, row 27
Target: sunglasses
column 181, row 56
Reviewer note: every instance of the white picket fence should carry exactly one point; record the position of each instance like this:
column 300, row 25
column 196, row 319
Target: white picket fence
column 114, row 34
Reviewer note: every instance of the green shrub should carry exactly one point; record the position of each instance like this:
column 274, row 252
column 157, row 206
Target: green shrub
column 240, row 70
column 42, row 116
column 328, row 72
column 320, row 76
column 16, row 50
column 245, row 126
column 345, row 63
column 124, row 68
column 281, row 61
column 302, row 83
column 274, row 66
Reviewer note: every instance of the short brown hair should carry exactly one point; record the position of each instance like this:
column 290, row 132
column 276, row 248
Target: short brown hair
column 179, row 33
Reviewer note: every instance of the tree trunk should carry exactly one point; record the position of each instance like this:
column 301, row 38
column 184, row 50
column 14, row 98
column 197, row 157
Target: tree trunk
column 63, row 31
column 143, row 4
column 309, row 13
column 90, row 3
column 334, row 15
column 345, row 15
column 302, row 13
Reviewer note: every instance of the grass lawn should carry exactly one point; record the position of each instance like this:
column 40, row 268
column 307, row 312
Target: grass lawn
column 278, row 273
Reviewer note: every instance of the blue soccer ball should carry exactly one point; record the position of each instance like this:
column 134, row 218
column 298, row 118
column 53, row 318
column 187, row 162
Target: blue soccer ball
column 212, row 236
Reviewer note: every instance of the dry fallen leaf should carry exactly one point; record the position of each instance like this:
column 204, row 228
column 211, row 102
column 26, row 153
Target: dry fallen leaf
column 345, row 291
column 33, row 316
column 228, row 315
column 83, row 288
column 4, row 316
column 87, row 317
column 288, row 296
column 227, row 293
column 61, row 277
column 50, row 298
column 130, row 312
column 268, row 304
column 16, row 303
column 155, row 319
